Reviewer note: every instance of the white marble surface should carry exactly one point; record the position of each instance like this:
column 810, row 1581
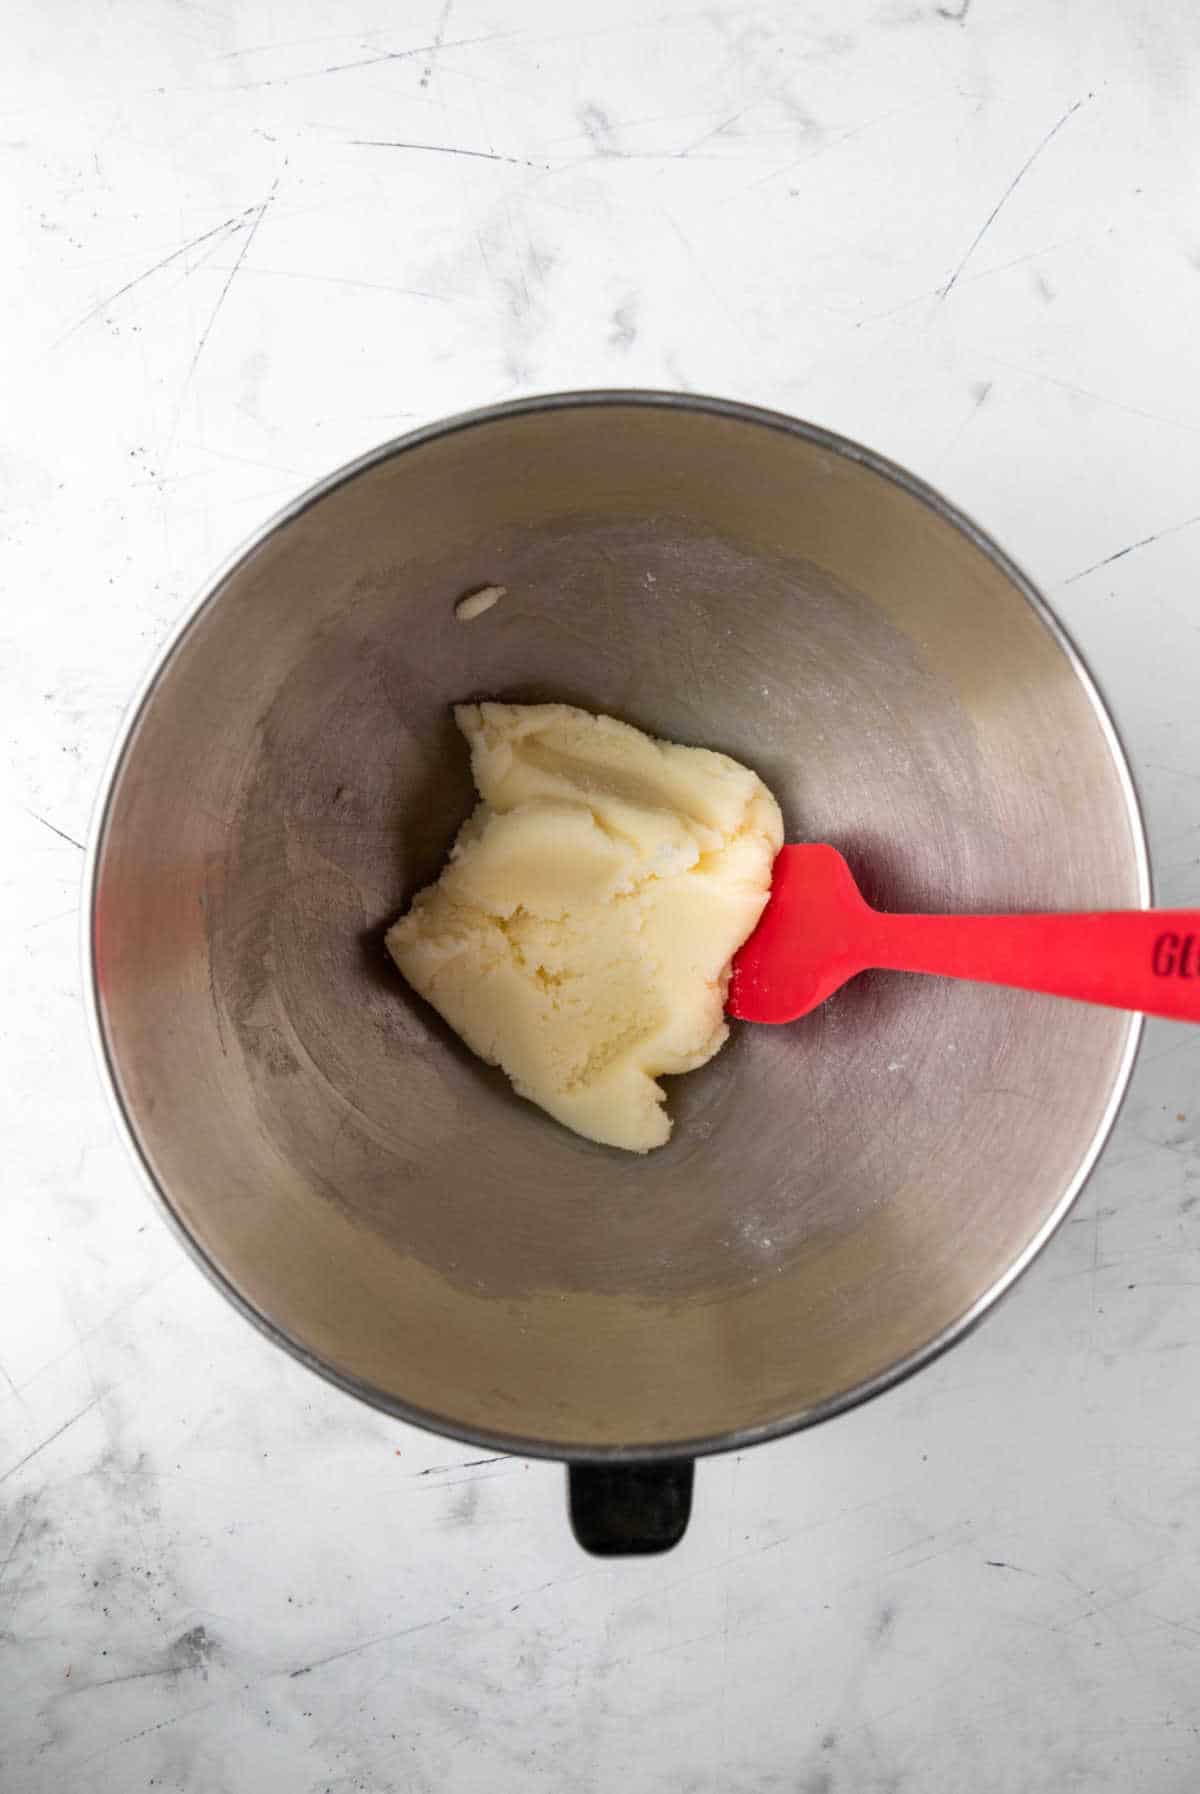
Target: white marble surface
column 246, row 241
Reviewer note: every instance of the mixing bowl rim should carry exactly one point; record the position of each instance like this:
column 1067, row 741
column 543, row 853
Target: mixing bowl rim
column 519, row 1444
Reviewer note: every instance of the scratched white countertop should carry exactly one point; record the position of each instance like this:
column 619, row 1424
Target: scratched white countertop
column 246, row 241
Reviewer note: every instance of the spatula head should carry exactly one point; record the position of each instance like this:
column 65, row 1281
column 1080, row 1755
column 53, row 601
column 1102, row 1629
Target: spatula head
column 809, row 940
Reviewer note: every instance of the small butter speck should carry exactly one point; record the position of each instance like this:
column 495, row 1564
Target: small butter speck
column 475, row 603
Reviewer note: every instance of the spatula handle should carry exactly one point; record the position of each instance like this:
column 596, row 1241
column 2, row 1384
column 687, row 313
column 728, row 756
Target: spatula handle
column 1130, row 959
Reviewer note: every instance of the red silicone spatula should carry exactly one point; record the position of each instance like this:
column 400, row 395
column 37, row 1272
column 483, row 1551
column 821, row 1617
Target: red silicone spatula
column 818, row 930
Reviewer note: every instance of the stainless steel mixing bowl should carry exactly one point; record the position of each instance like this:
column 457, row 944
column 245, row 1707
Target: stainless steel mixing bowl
column 843, row 1197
